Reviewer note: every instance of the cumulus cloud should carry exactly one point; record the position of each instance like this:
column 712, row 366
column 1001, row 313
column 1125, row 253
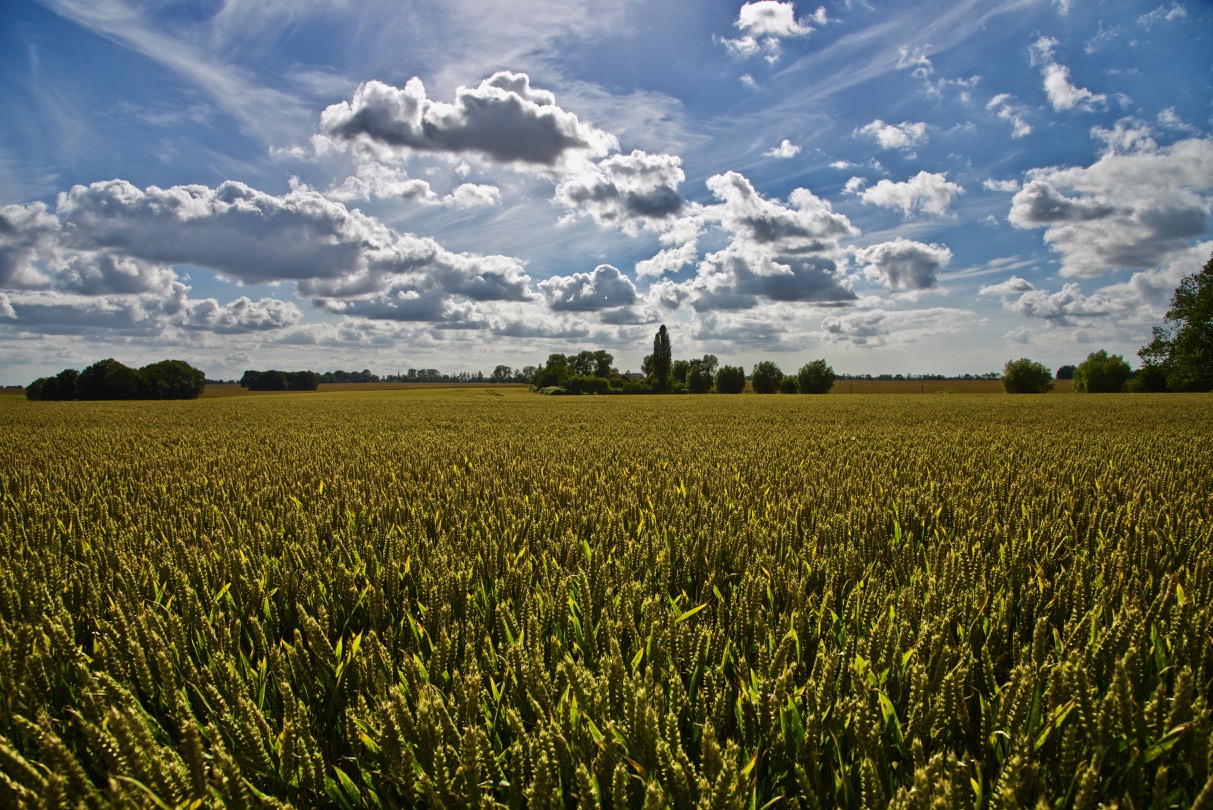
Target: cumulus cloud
column 809, row 224
column 924, row 193
column 905, row 135
column 1014, row 114
column 1062, row 94
column 239, row 316
column 113, row 239
column 629, row 191
column 739, row 278
column 903, row 264
column 777, row 251
column 669, row 260
column 1011, row 286
column 378, row 182
column 504, row 119
column 990, row 184
column 604, row 288
column 786, row 149
column 875, row 327
column 6, row 307
column 1128, row 210
column 765, row 23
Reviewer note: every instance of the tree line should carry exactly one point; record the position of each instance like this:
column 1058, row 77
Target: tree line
column 110, row 379
column 594, row 372
column 1179, row 358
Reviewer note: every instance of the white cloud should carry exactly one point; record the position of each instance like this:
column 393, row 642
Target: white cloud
column 669, row 260
column 629, row 191
column 119, row 242
column 765, row 23
column 1062, row 94
column 809, row 224
column 375, row 181
column 473, row 195
column 239, row 316
column 786, row 149
column 1013, row 113
column 1011, row 286
column 903, row 264
column 777, row 252
column 504, row 119
column 925, row 193
column 878, row 327
column 6, row 307
column 605, row 288
column 990, row 184
column 905, row 135
column 1172, row 13
column 1127, row 210
column 1169, row 119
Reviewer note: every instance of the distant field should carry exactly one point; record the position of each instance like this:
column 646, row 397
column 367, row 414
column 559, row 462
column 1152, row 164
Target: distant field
column 840, row 387
column 462, row 596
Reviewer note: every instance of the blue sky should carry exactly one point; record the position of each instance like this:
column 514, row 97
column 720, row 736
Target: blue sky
column 896, row 187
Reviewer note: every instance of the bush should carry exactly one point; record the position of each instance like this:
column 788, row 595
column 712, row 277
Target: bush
column 587, row 385
column 815, row 378
column 553, row 391
column 788, row 385
column 730, row 380
column 1024, row 376
column 765, row 377
column 1101, row 373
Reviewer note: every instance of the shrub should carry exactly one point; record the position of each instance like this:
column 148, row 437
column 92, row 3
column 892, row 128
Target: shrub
column 788, row 385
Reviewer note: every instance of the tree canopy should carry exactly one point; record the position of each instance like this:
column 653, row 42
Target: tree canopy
column 1183, row 347
column 815, row 378
column 1024, row 376
column 1101, row 373
column 766, row 377
column 110, row 379
column 730, row 380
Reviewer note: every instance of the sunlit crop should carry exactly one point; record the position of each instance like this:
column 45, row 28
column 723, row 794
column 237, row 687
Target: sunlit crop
column 461, row 599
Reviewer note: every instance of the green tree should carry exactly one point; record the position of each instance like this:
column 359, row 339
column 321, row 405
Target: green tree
column 1149, row 379
column 1024, row 376
column 556, row 371
column 1184, row 346
column 662, row 360
column 815, row 378
column 171, row 379
column 765, row 377
column 33, row 391
column 108, row 379
column 1065, row 372
column 1101, row 373
column 501, row 374
column 788, row 385
column 730, row 380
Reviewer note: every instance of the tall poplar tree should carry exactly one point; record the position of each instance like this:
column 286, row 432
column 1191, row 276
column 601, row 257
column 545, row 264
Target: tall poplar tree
column 662, row 359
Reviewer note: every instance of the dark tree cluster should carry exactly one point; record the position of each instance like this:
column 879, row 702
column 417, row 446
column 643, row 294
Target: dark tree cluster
column 592, row 373
column 109, row 379
column 274, row 380
column 364, row 376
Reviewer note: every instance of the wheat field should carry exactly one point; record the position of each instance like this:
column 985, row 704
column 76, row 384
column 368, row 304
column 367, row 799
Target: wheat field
column 478, row 598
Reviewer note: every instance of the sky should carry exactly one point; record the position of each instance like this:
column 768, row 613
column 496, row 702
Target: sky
column 897, row 187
